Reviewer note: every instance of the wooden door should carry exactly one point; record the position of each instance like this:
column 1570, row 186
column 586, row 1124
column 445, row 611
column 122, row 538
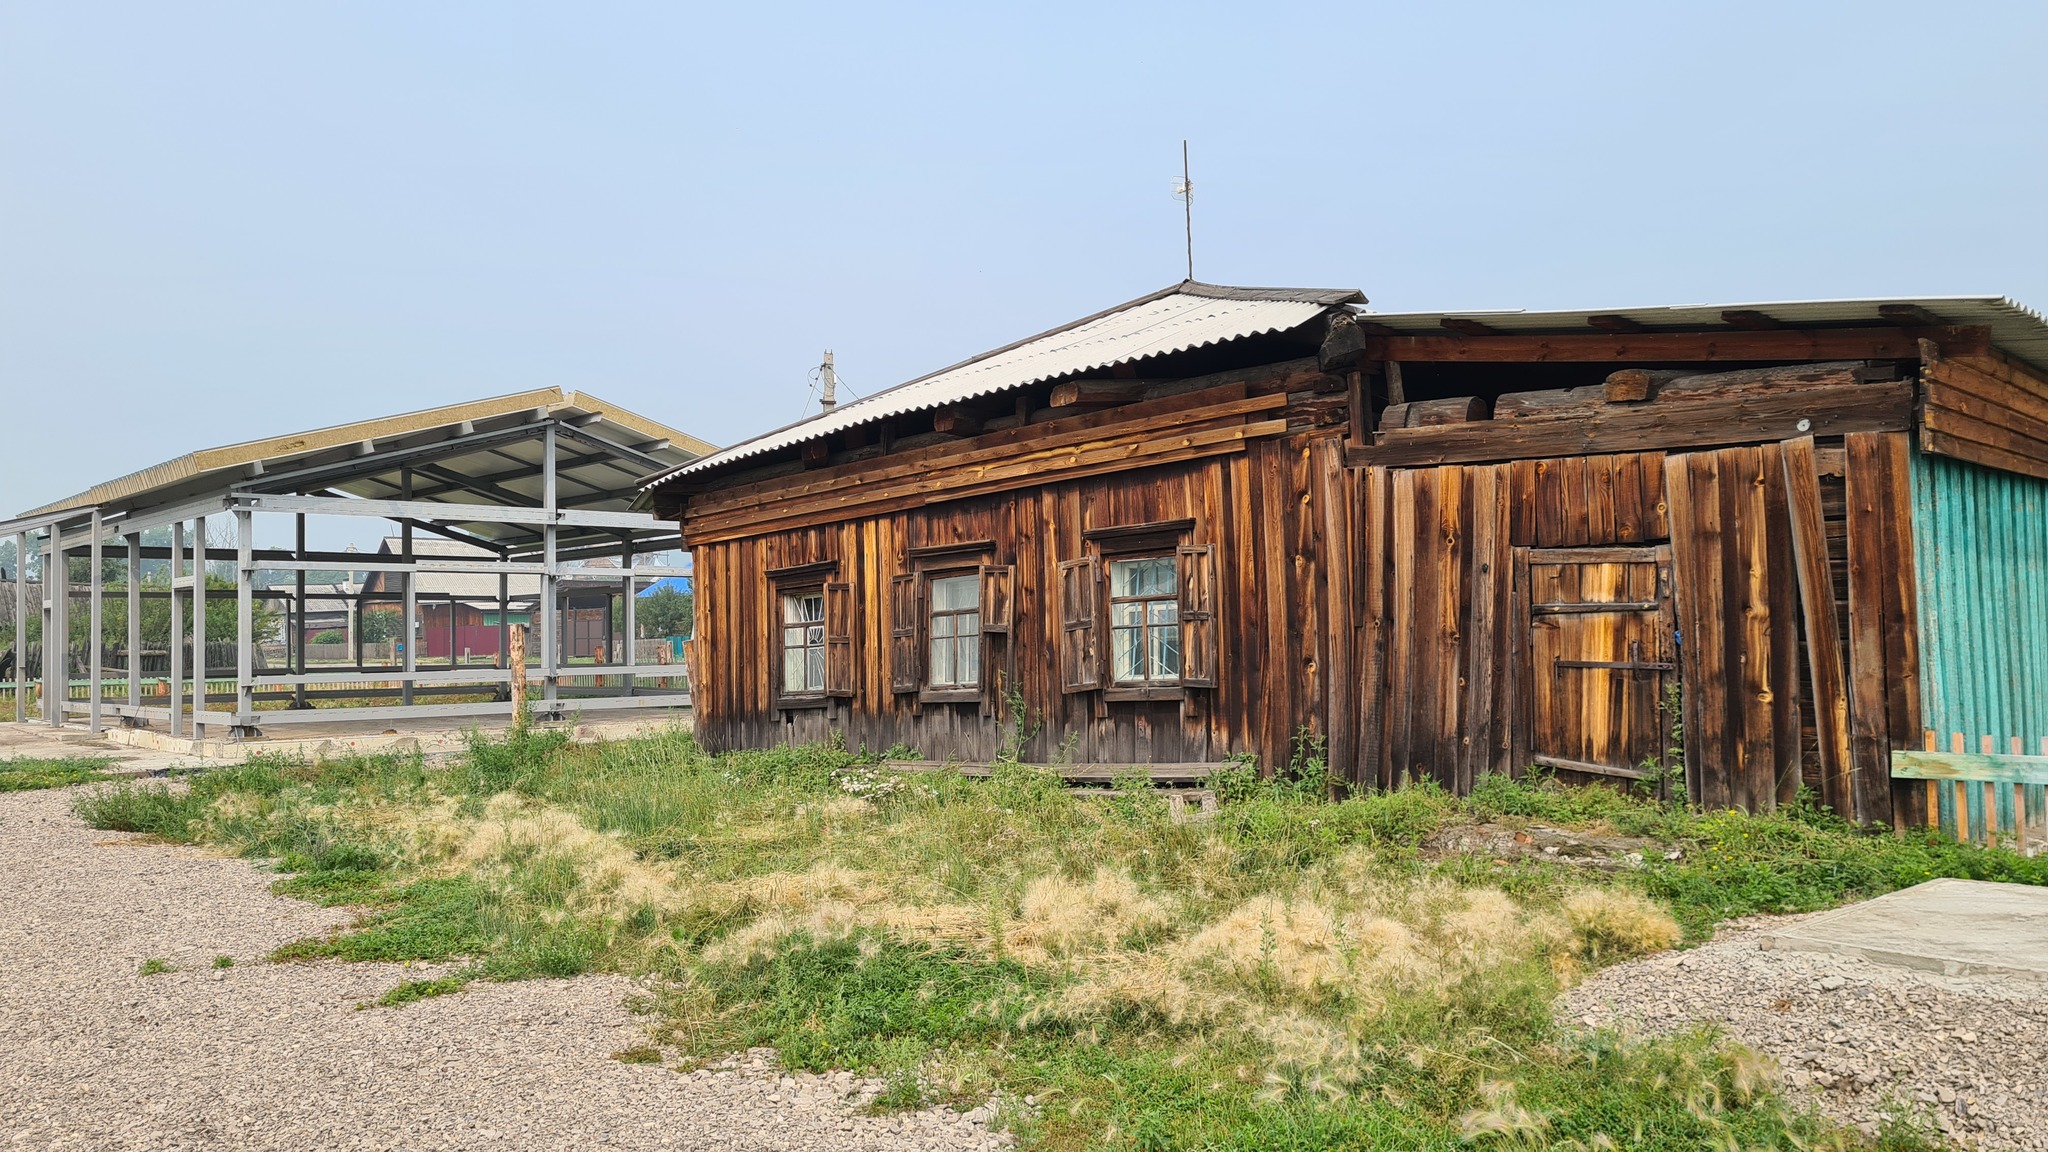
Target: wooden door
column 1600, row 650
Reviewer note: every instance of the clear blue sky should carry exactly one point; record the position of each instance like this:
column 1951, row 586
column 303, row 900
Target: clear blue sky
column 223, row 221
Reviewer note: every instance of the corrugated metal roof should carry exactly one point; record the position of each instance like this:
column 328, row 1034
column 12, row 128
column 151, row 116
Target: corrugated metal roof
column 2015, row 328
column 277, row 451
column 1187, row 315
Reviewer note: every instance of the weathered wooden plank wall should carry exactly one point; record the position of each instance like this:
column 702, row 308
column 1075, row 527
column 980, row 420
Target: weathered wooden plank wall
column 1884, row 659
column 1438, row 654
column 1277, row 508
column 1988, row 409
column 1733, row 573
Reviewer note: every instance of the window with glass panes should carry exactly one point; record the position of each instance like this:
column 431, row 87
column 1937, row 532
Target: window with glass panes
column 803, row 642
column 955, row 632
column 1144, row 620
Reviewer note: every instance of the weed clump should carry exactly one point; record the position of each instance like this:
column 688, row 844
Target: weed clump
column 410, row 991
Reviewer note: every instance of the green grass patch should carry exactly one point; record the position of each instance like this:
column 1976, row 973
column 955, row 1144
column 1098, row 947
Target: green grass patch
column 155, row 967
column 410, row 991
column 27, row 773
column 432, row 919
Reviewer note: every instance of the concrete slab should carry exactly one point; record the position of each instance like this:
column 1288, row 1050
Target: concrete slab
column 42, row 742
column 143, row 749
column 1955, row 927
column 429, row 736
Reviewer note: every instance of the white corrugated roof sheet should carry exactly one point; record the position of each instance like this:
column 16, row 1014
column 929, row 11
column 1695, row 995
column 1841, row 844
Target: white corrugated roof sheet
column 1188, row 315
column 2015, row 328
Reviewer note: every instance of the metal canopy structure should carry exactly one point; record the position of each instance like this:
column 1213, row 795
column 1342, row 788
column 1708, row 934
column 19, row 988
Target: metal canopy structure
column 531, row 481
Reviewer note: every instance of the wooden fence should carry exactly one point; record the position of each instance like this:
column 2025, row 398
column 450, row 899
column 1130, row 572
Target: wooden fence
column 1986, row 796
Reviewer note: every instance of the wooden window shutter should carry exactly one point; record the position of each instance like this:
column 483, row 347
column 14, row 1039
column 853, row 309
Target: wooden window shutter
column 838, row 639
column 1197, row 572
column 996, row 587
column 1080, row 656
column 904, row 667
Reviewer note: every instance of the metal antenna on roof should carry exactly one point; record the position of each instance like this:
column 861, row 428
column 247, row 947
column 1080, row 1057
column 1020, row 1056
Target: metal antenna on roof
column 829, row 383
column 1184, row 191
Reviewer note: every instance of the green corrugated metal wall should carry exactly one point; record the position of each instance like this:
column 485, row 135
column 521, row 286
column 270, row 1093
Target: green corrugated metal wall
column 1980, row 546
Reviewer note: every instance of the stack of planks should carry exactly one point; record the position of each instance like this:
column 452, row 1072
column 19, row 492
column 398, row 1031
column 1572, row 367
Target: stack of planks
column 1638, row 409
column 1643, row 385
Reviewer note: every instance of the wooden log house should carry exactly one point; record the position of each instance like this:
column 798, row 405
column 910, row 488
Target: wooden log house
column 1204, row 522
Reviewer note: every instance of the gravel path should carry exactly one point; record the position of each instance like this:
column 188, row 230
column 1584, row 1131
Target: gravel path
column 1972, row 1052
column 267, row 1056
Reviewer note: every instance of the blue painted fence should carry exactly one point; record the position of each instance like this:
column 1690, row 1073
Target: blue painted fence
column 1980, row 540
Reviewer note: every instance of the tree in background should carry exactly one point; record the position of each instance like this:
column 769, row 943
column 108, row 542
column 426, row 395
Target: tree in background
column 665, row 612
column 156, row 613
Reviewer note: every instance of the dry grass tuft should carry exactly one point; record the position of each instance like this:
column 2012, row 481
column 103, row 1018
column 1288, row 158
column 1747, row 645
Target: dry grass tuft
column 1611, row 924
column 513, row 833
column 1061, row 921
column 1295, row 944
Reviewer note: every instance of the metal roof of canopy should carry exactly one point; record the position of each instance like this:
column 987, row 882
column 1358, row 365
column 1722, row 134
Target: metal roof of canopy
column 485, row 452
column 1187, row 315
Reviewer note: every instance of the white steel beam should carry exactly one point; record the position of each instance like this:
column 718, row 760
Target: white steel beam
column 199, row 668
column 550, row 641
column 95, row 667
column 245, row 624
column 176, row 685
column 134, row 540
column 20, row 627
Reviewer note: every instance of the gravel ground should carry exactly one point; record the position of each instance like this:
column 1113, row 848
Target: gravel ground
column 1969, row 1052
column 277, row 1056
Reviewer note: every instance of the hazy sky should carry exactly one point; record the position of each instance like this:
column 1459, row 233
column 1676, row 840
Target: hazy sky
column 224, row 221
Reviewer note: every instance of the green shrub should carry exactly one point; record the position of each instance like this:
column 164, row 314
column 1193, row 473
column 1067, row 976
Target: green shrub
column 151, row 808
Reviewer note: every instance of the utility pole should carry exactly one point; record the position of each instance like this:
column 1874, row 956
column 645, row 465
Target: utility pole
column 829, row 383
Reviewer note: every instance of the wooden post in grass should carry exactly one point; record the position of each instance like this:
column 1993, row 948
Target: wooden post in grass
column 515, row 663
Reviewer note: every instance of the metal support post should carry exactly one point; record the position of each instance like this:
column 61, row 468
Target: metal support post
column 504, row 618
column 96, row 666
column 245, row 623
column 631, row 620
column 408, row 627
column 550, row 628
column 298, row 645
column 198, row 626
column 57, row 630
column 20, row 627
column 174, row 687
column 134, row 619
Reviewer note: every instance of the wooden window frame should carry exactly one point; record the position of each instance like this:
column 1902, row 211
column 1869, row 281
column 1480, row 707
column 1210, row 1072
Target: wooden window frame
column 1147, row 687
column 838, row 608
column 910, row 595
column 780, row 591
column 930, row 693
column 1194, row 581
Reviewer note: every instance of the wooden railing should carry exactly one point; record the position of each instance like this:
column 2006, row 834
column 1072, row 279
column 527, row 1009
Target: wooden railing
column 1986, row 796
